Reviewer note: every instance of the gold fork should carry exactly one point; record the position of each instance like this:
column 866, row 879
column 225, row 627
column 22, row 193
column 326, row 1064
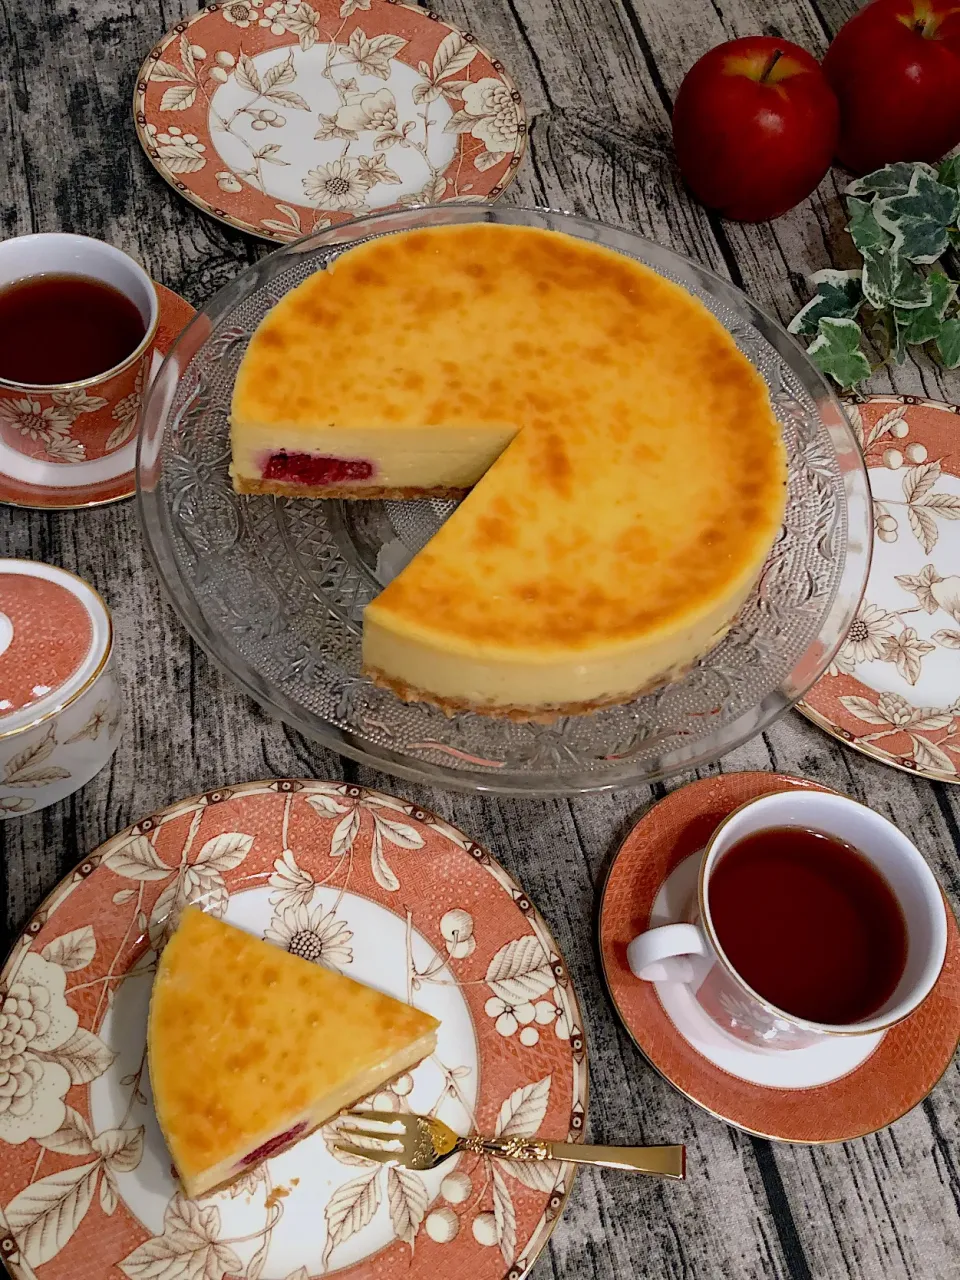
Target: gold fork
column 422, row 1142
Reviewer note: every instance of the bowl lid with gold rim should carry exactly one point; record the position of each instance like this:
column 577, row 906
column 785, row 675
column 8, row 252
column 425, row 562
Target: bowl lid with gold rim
column 55, row 633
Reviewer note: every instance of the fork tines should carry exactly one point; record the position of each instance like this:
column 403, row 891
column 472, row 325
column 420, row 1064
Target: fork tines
column 372, row 1135
column 385, row 1121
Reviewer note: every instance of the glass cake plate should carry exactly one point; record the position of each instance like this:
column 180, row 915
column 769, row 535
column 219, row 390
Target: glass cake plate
column 274, row 589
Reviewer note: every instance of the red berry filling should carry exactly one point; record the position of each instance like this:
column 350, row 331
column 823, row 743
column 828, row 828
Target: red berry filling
column 315, row 469
column 275, row 1144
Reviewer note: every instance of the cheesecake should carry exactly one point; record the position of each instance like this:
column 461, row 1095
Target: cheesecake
column 624, row 475
column 251, row 1048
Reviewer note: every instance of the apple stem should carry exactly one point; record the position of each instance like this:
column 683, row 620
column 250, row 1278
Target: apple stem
column 777, row 55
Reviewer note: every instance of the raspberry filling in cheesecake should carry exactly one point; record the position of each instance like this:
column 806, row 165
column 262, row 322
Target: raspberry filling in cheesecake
column 274, row 1145
column 315, row 469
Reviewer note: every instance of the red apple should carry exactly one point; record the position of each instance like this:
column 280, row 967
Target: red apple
column 754, row 127
column 895, row 68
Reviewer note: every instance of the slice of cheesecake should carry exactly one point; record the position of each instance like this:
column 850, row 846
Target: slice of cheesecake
column 251, row 1048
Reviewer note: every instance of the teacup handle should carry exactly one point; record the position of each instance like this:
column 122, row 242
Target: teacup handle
column 659, row 955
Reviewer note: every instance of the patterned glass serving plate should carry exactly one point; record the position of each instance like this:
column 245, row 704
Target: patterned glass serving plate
column 274, row 589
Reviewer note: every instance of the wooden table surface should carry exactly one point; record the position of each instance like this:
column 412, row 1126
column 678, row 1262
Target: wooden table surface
column 599, row 77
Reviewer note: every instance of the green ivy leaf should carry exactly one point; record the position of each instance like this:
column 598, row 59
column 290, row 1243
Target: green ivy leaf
column 891, row 180
column 839, row 294
column 865, row 231
column 918, row 220
column 897, row 342
column 948, row 342
column 923, row 324
column 949, row 172
column 836, row 350
column 890, row 282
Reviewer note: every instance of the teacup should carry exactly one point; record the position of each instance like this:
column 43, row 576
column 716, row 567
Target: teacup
column 59, row 697
column 80, row 421
column 691, row 952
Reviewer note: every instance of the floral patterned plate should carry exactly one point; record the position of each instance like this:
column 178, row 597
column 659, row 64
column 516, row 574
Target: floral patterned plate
column 283, row 118
column 359, row 881
column 30, row 482
column 893, row 690
column 795, row 1095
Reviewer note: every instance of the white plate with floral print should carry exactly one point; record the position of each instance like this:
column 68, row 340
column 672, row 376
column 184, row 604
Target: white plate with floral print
column 893, row 690
column 283, row 118
column 367, row 884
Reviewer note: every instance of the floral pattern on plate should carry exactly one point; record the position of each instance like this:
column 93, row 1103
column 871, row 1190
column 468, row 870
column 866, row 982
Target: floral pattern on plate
column 285, row 118
column 893, row 689
column 365, row 883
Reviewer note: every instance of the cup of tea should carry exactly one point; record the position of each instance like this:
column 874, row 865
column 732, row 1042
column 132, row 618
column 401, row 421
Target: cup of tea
column 77, row 323
column 814, row 917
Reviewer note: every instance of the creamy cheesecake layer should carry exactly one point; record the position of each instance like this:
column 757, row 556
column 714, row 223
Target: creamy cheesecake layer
column 364, row 458
column 250, row 1048
column 564, row 612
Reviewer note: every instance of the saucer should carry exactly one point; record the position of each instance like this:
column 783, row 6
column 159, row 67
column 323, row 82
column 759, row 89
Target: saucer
column 411, row 111
column 51, row 486
column 891, row 690
column 827, row 1093
column 386, row 893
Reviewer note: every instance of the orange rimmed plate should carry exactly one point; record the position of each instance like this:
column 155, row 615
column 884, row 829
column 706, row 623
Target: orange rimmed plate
column 287, row 117
column 893, row 689
column 49, row 486
column 385, row 892
column 898, row 1074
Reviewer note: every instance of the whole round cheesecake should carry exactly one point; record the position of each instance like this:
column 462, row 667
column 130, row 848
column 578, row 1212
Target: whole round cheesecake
column 624, row 474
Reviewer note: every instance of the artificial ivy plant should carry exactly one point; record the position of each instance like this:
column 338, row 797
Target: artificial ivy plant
column 903, row 221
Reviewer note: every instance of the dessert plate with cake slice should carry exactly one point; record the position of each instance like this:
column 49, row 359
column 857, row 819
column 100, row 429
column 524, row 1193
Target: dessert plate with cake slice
column 504, row 499
column 190, row 1008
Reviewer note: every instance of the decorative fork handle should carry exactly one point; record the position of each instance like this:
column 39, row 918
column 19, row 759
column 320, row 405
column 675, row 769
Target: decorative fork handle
column 667, row 1162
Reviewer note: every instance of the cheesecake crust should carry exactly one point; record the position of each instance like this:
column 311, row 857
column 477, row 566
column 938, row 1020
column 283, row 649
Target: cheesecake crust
column 521, row 714
column 370, row 492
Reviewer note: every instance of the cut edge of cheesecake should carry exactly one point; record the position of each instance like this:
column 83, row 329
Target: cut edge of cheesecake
column 301, row 1126
column 409, row 1036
